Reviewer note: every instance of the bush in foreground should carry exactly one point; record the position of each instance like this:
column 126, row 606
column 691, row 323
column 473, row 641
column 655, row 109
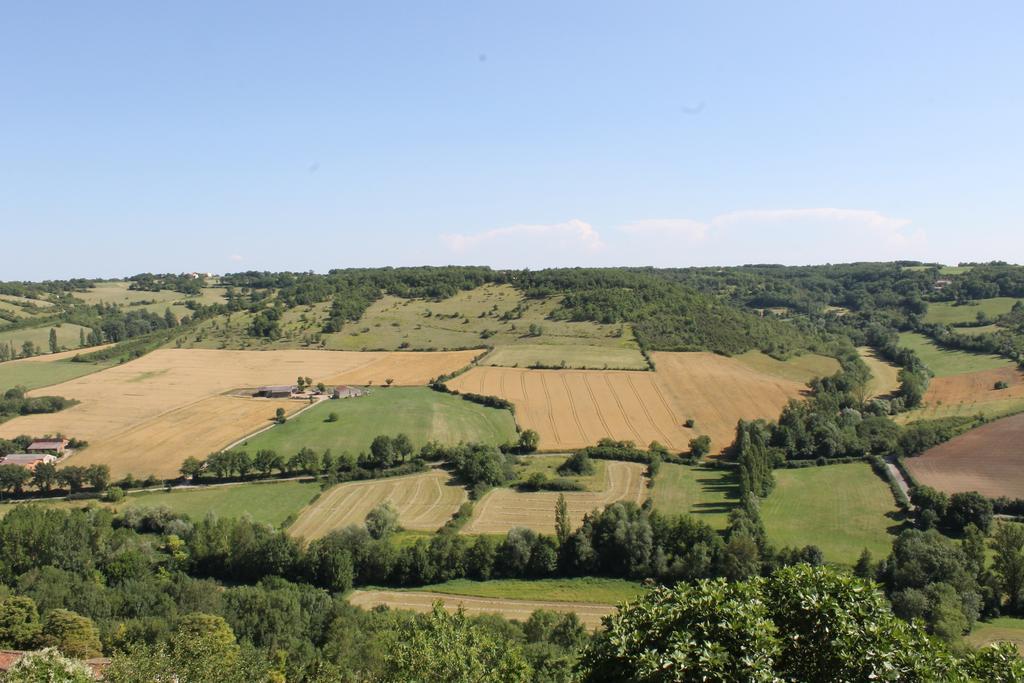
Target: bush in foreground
column 802, row 623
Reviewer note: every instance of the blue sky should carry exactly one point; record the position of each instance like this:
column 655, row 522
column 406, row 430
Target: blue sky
column 245, row 135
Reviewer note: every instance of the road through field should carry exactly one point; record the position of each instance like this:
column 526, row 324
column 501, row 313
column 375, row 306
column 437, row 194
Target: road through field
column 589, row 613
column 174, row 390
column 502, row 509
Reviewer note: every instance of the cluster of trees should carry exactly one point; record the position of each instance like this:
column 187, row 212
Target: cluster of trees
column 74, row 575
column 46, row 478
column 14, row 403
column 184, row 283
column 952, row 514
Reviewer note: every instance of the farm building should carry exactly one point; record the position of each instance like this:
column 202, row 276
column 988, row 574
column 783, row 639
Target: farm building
column 345, row 391
column 47, row 445
column 282, row 391
column 27, row 460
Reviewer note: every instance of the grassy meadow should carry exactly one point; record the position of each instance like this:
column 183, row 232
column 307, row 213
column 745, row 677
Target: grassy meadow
column 43, row 373
column 67, row 336
column 118, row 292
column 421, row 413
column 944, row 362
column 548, row 466
column 584, row 589
column 842, row 509
column 949, row 313
column 268, row 502
column 707, row 494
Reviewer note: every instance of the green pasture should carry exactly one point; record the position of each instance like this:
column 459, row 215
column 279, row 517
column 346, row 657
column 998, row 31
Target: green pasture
column 42, row 373
column 842, row 509
column 548, row 466
column 950, row 313
column 707, row 494
column 583, row 589
column 421, row 413
column 944, row 362
column 67, row 336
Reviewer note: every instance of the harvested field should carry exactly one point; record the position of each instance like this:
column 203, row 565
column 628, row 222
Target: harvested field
column 502, row 509
column 138, row 396
column 424, row 503
column 155, row 446
column 567, row 356
column 575, row 408
column 801, row 368
column 520, row 610
column 998, row 630
column 884, row 375
column 970, row 393
column 988, row 460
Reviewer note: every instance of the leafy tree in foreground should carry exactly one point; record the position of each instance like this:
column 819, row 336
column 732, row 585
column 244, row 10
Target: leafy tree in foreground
column 446, row 647
column 801, row 623
column 72, row 634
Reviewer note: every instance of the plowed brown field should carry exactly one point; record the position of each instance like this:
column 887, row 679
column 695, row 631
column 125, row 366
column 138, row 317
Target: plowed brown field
column 970, row 392
column 575, row 408
column 989, row 460
column 589, row 613
column 502, row 509
column 171, row 390
column 424, row 503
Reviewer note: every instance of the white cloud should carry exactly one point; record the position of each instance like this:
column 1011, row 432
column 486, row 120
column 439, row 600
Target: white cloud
column 573, row 234
column 888, row 228
column 235, row 257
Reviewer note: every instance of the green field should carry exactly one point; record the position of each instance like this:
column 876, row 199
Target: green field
column 423, row 414
column 944, row 362
column 67, row 336
column 1002, row 629
column 39, row 373
column 567, row 356
column 585, row 589
column 268, row 502
column 548, row 465
column 708, row 494
column 948, row 313
column 842, row 509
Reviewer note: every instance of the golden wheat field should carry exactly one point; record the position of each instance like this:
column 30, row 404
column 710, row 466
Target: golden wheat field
column 502, row 509
column 420, row 601
column 575, row 408
column 424, row 503
column 148, row 415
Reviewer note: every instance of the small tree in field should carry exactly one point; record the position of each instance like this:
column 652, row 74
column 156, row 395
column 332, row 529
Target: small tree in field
column 389, row 381
column 332, row 417
column 279, row 417
column 382, row 520
column 53, row 341
column 301, row 383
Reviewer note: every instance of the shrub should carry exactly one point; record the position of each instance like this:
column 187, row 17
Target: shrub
column 1001, row 385
column 579, row 463
column 113, row 494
